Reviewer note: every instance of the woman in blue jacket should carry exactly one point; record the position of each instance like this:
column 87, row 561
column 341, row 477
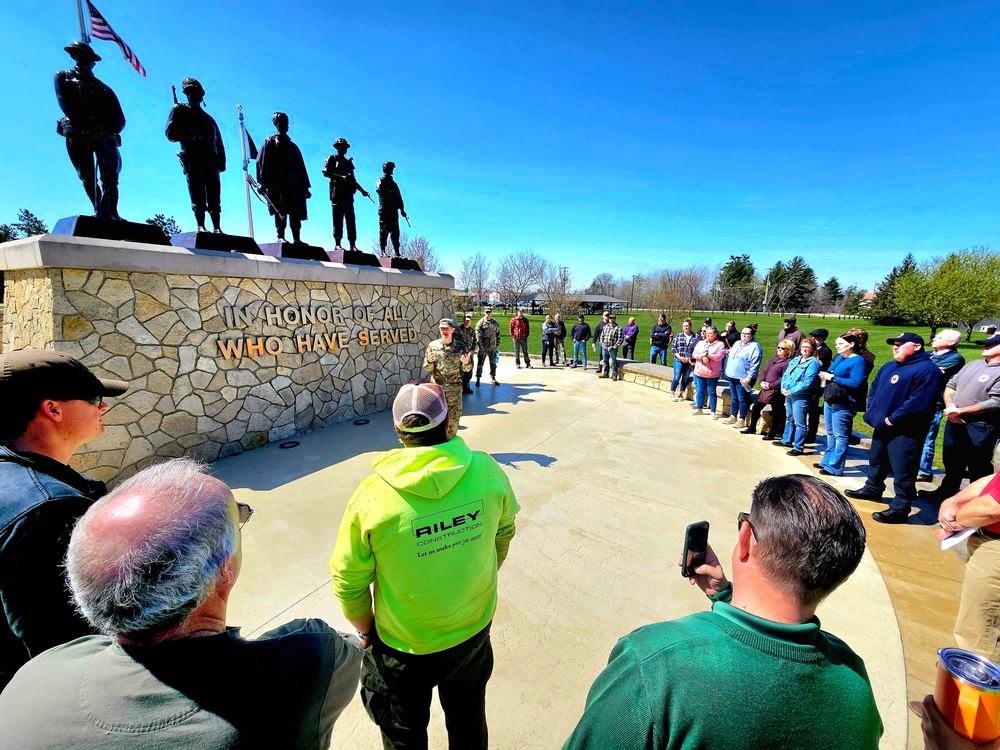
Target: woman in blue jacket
column 797, row 385
column 848, row 372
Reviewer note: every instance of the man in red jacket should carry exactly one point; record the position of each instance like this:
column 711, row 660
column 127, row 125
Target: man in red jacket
column 519, row 330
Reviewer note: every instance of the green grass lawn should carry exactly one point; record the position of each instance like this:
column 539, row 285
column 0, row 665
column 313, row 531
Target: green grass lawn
column 768, row 328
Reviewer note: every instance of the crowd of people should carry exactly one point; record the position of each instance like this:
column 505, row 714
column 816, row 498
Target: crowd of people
column 115, row 632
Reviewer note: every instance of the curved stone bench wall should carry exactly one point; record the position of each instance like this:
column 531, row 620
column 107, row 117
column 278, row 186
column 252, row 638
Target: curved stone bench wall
column 223, row 352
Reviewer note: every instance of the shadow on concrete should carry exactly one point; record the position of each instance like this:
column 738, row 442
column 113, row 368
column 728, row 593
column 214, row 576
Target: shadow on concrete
column 511, row 460
column 487, row 397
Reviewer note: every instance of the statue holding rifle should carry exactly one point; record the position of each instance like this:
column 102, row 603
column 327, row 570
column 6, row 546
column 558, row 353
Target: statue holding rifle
column 390, row 201
column 339, row 168
column 92, row 128
column 202, row 154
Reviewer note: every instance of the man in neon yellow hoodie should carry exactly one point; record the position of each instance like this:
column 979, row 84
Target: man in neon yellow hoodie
column 430, row 529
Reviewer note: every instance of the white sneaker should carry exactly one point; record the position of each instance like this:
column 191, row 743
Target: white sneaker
column 731, row 420
column 740, row 424
column 697, row 412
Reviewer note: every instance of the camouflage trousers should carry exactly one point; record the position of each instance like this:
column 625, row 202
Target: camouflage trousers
column 486, row 355
column 453, row 395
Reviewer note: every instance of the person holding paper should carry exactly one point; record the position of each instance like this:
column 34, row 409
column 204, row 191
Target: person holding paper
column 977, row 506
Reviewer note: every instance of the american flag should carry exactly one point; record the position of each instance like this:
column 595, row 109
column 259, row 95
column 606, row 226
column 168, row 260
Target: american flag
column 100, row 29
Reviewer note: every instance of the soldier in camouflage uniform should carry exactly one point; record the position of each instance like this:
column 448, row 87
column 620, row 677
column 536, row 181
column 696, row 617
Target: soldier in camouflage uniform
column 467, row 335
column 488, row 342
column 446, row 359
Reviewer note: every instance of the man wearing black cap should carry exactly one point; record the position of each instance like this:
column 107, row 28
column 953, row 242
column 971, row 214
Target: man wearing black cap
column 972, row 407
column 92, row 127
column 900, row 406
column 52, row 406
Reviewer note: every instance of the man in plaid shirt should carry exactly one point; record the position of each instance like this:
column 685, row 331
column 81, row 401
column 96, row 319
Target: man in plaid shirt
column 611, row 338
column 519, row 329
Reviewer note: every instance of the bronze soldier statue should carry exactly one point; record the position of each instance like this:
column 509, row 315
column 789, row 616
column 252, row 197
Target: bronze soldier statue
column 340, row 169
column 92, row 125
column 390, row 200
column 282, row 175
column 202, row 154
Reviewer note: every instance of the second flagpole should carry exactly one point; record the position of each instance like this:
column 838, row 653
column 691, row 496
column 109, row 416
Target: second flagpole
column 84, row 35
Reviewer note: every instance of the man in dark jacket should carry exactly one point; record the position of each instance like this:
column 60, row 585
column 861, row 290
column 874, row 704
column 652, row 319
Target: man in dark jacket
column 53, row 405
column 580, row 335
column 659, row 340
column 900, row 406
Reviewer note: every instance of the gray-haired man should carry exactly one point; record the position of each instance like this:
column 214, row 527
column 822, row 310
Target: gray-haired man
column 152, row 565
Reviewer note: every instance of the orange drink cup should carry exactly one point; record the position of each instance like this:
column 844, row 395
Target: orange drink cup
column 967, row 693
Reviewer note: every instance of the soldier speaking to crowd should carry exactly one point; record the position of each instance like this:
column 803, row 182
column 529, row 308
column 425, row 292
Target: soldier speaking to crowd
column 446, row 359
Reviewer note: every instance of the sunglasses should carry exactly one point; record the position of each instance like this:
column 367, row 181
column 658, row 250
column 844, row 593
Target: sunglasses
column 745, row 517
column 245, row 513
column 96, row 400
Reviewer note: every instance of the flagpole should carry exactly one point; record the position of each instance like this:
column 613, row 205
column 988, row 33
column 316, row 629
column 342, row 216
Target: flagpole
column 83, row 26
column 246, row 174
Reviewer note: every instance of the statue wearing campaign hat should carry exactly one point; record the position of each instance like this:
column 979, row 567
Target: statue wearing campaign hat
column 202, row 154
column 92, row 125
column 339, row 168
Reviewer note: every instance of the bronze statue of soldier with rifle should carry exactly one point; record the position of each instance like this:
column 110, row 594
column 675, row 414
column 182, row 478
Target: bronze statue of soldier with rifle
column 390, row 200
column 339, row 168
column 202, row 154
column 92, row 128
column 282, row 175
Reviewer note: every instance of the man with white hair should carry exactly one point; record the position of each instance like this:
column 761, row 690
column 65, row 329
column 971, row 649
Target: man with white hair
column 972, row 408
column 945, row 355
column 430, row 529
column 152, row 566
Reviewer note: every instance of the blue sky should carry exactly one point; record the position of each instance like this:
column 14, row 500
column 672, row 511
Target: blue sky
column 620, row 137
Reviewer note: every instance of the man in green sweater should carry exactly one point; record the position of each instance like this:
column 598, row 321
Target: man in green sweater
column 756, row 672
column 430, row 529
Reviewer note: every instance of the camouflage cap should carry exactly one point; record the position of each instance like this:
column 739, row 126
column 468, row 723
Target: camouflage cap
column 446, row 323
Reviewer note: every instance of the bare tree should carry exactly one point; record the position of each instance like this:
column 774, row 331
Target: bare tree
column 475, row 276
column 420, row 250
column 517, row 275
column 557, row 286
column 603, row 283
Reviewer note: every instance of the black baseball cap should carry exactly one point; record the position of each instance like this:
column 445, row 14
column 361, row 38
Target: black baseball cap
column 46, row 374
column 907, row 337
column 821, row 332
column 991, row 341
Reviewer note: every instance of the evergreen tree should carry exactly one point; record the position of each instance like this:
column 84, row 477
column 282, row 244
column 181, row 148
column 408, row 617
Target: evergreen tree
column 885, row 310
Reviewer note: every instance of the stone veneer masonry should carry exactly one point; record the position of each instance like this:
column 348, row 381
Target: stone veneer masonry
column 222, row 352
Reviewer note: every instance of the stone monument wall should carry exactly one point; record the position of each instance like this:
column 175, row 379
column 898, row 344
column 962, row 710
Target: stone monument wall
column 219, row 363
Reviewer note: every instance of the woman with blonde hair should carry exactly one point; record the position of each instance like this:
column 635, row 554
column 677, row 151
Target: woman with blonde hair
column 797, row 385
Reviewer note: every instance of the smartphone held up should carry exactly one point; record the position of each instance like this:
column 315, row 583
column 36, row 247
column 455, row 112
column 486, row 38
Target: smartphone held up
column 695, row 548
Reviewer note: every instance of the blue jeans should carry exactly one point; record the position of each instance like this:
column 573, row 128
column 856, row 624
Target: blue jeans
column 700, row 386
column 740, row 398
column 683, row 372
column 609, row 356
column 548, row 349
column 653, row 351
column 797, row 421
column 927, row 456
column 839, row 420
column 900, row 453
column 580, row 352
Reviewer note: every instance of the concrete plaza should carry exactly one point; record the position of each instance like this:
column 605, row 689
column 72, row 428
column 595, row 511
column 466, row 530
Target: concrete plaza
column 608, row 475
